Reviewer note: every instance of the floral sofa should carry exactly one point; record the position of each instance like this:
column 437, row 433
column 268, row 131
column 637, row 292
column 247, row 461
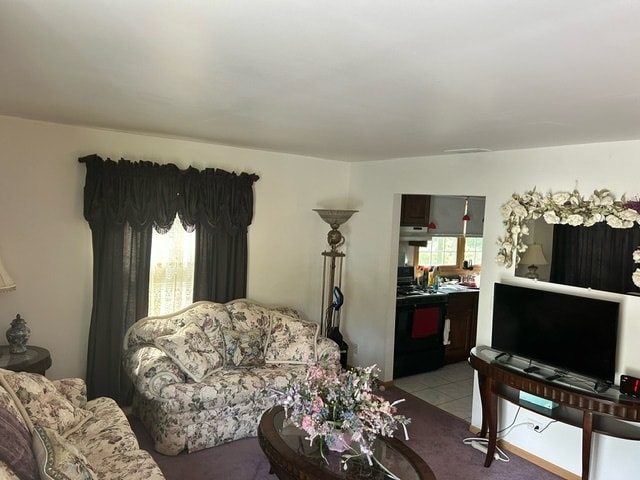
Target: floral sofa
column 202, row 374
column 50, row 431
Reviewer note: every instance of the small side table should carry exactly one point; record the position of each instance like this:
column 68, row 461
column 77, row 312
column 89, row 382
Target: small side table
column 34, row 360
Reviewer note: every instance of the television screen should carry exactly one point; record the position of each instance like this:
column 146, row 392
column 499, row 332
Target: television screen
column 571, row 333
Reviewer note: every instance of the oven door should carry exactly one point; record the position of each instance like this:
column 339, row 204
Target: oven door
column 418, row 344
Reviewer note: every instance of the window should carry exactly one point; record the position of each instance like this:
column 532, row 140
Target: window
column 439, row 251
column 172, row 267
column 450, row 251
column 473, row 250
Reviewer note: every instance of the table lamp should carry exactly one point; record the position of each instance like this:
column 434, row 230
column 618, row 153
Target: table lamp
column 533, row 257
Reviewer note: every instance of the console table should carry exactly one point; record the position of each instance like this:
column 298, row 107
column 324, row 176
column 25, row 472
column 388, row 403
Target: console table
column 604, row 412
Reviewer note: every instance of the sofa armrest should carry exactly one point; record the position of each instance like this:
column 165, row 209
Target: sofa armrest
column 74, row 390
column 151, row 370
column 327, row 352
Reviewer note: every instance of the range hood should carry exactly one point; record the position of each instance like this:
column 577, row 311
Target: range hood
column 415, row 234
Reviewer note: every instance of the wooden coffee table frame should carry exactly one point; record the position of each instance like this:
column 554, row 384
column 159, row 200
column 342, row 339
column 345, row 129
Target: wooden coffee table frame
column 289, row 465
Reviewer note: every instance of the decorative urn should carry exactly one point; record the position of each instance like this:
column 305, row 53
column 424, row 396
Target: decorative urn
column 18, row 335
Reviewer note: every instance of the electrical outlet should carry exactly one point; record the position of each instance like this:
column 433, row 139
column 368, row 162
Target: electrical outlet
column 355, row 348
column 533, row 424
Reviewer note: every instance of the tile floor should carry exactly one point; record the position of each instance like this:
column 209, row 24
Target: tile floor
column 450, row 388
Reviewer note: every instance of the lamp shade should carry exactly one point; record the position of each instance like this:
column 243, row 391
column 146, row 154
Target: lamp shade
column 534, row 256
column 335, row 218
column 6, row 282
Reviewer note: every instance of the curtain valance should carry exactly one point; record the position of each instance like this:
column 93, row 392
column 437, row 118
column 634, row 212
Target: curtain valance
column 145, row 193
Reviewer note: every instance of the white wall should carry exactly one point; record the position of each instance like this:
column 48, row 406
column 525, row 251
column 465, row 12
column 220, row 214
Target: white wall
column 369, row 314
column 45, row 242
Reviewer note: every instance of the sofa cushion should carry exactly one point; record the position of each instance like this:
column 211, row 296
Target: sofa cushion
column 57, row 458
column 15, row 446
column 291, row 340
column 248, row 315
column 191, row 349
column 43, row 403
column 226, row 387
column 108, row 429
column 244, row 348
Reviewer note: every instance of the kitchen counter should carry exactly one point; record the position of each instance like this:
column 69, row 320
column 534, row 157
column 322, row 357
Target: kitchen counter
column 456, row 288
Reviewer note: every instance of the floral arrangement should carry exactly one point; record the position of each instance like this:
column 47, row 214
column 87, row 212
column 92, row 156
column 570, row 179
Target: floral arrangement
column 340, row 409
column 562, row 208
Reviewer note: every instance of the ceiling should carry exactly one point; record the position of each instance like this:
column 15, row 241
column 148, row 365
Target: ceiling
column 349, row 80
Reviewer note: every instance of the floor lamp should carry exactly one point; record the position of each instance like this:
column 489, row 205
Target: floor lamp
column 332, row 279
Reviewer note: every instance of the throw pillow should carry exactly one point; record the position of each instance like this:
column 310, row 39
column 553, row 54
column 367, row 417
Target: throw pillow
column 15, row 446
column 57, row 458
column 44, row 405
column 191, row 349
column 291, row 340
column 244, row 348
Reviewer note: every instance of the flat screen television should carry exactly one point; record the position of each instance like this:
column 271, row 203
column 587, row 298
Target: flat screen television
column 570, row 333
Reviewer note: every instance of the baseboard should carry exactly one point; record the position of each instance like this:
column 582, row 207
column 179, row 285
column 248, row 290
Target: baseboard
column 540, row 462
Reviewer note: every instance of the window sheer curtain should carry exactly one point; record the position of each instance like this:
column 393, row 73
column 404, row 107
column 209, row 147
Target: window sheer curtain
column 123, row 202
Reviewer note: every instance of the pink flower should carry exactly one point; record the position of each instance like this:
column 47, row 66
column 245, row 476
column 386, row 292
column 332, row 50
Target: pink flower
column 317, row 405
column 307, row 422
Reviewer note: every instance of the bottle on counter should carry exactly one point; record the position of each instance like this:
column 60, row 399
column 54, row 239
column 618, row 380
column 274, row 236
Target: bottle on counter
column 436, row 278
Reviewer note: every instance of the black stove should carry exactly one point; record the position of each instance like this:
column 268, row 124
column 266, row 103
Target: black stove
column 413, row 294
column 415, row 352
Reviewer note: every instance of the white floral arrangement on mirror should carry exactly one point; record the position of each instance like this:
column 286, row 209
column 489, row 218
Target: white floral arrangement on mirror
column 569, row 208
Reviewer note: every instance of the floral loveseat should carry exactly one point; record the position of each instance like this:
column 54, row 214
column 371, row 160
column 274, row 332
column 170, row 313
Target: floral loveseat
column 48, row 430
column 200, row 374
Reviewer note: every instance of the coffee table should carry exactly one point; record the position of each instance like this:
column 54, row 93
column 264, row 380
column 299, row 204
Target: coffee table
column 292, row 457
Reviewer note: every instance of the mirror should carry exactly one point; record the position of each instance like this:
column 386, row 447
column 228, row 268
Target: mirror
column 611, row 247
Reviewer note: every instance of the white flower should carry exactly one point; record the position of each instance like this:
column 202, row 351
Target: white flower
column 574, row 220
column 628, row 214
column 505, row 211
column 636, row 277
column 607, row 201
column 560, row 198
column 614, row 222
column 636, row 256
column 525, row 229
column 500, row 259
column 518, row 209
column 550, row 217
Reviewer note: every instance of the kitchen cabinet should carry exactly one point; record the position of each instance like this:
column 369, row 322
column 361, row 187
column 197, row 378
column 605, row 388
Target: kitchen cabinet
column 462, row 312
column 415, row 210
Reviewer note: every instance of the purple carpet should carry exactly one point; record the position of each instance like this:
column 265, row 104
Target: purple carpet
column 434, row 434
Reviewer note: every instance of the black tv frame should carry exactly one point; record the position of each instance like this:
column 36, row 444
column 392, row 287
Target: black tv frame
column 572, row 334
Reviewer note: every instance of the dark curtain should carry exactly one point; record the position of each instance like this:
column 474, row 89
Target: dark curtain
column 598, row 257
column 123, row 201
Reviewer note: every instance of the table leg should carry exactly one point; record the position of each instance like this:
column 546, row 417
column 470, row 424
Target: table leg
column 484, row 399
column 492, row 422
column 587, row 428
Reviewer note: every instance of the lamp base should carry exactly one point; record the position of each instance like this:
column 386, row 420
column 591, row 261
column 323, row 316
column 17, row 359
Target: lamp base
column 533, row 272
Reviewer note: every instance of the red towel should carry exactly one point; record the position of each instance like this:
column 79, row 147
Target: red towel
column 425, row 322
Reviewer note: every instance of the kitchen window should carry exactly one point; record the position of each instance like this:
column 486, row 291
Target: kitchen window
column 450, row 251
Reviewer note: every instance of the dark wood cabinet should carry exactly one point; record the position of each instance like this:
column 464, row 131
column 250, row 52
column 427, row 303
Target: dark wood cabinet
column 462, row 311
column 415, row 210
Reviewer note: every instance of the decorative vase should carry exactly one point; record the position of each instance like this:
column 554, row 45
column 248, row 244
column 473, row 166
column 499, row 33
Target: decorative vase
column 18, row 335
column 339, row 441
